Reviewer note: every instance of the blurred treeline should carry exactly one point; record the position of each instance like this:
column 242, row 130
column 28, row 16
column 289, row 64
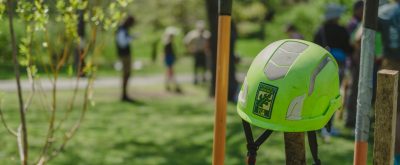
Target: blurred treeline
column 260, row 21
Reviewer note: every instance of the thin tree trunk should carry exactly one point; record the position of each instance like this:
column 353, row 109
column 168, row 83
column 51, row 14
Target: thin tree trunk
column 212, row 13
column 24, row 153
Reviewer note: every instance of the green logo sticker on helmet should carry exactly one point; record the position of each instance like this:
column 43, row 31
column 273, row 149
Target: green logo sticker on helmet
column 264, row 100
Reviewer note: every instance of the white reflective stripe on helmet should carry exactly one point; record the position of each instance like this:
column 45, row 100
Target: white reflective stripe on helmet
column 243, row 93
column 294, row 47
column 317, row 70
column 295, row 108
column 283, row 58
column 274, row 72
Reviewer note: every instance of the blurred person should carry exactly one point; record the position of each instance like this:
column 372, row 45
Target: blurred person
column 197, row 42
column 337, row 40
column 356, row 19
column 389, row 27
column 355, row 30
column 334, row 36
column 292, row 32
column 169, row 59
column 123, row 40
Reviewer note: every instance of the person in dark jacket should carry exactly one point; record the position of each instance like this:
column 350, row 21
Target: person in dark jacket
column 336, row 39
column 123, row 40
column 334, row 36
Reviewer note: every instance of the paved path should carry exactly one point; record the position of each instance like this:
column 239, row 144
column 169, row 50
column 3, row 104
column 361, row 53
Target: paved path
column 101, row 82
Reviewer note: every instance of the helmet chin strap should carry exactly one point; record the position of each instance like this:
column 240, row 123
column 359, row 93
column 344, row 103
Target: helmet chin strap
column 312, row 142
column 253, row 146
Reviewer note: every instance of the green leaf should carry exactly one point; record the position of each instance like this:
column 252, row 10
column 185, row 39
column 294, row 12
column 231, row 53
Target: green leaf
column 70, row 70
column 92, row 103
column 23, row 62
column 31, row 71
column 83, row 5
column 60, row 6
column 2, row 8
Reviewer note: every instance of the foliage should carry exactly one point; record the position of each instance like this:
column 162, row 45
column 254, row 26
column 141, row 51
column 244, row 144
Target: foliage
column 152, row 19
column 254, row 12
column 157, row 15
column 2, row 7
column 305, row 15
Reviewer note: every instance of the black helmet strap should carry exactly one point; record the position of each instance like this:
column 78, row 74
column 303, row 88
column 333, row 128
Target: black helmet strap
column 252, row 146
column 312, row 142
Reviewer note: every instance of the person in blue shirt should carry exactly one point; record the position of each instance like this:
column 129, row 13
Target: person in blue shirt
column 170, row 58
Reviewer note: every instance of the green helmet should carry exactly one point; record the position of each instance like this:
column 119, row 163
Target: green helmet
column 291, row 86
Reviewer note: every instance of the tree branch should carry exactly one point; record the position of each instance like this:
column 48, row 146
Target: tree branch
column 30, row 97
column 5, row 123
column 68, row 135
column 55, row 68
column 81, row 57
column 24, row 152
column 31, row 76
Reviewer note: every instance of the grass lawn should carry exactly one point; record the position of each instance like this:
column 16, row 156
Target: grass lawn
column 169, row 129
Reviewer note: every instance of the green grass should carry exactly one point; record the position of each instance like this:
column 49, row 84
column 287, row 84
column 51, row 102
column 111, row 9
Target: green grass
column 168, row 129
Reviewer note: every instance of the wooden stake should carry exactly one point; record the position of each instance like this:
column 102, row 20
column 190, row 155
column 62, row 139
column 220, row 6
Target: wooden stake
column 294, row 148
column 385, row 117
column 221, row 88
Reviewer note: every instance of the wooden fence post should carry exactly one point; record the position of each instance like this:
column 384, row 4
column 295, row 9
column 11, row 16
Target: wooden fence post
column 294, row 148
column 385, row 117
